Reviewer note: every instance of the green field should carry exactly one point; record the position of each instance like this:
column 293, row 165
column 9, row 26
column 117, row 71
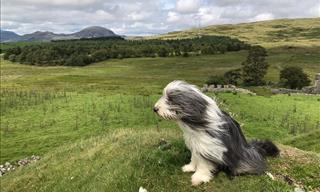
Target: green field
column 95, row 130
column 95, row 125
column 275, row 33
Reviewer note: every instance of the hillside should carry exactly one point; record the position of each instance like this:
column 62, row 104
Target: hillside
column 8, row 35
column 274, row 33
column 126, row 159
column 89, row 32
column 94, row 128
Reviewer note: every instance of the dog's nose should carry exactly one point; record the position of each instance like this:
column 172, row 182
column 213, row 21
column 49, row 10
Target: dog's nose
column 155, row 109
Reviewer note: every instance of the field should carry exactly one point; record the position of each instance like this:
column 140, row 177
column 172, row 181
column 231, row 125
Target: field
column 95, row 130
column 274, row 33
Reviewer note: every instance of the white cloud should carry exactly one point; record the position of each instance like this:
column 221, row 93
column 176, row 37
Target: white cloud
column 56, row 2
column 263, row 17
column 188, row 6
column 139, row 16
column 144, row 16
column 173, row 17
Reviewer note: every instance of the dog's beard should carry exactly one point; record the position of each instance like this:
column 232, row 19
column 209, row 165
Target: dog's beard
column 164, row 110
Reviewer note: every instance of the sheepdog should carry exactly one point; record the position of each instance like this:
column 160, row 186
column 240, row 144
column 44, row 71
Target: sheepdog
column 214, row 138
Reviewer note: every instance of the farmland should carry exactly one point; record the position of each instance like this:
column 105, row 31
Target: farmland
column 95, row 131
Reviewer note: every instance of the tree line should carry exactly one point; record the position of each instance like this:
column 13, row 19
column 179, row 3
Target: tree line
column 85, row 51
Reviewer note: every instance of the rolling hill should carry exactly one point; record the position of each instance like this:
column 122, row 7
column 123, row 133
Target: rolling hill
column 94, row 129
column 89, row 32
column 274, row 33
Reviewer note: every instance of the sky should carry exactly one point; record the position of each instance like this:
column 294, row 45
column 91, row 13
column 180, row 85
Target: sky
column 144, row 17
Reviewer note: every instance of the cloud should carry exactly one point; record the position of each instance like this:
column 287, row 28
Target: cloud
column 141, row 17
column 173, row 17
column 263, row 17
column 188, row 6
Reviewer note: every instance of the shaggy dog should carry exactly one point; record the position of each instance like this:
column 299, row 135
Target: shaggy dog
column 214, row 138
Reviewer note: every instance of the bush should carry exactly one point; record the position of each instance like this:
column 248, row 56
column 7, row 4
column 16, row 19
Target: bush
column 216, row 80
column 12, row 58
column 233, row 76
column 294, row 78
column 78, row 60
column 185, row 54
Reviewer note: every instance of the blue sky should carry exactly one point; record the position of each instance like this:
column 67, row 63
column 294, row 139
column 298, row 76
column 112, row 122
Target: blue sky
column 144, row 17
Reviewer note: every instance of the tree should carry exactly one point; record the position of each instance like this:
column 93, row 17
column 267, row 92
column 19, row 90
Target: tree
column 233, row 76
column 185, row 54
column 294, row 78
column 163, row 52
column 215, row 80
column 255, row 67
column 77, row 60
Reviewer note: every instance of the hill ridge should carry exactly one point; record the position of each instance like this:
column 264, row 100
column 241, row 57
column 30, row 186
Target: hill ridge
column 87, row 32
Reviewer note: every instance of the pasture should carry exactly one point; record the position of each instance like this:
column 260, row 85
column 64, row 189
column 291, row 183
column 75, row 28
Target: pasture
column 94, row 128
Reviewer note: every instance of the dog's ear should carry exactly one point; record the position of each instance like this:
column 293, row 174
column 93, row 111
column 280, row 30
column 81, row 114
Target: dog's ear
column 189, row 104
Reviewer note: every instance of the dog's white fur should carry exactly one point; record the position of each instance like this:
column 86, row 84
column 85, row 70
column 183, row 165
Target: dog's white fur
column 197, row 142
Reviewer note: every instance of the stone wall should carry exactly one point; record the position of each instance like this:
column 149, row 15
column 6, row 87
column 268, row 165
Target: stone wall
column 225, row 88
column 315, row 89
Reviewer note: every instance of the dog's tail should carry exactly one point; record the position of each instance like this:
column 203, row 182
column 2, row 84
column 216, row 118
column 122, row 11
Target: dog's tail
column 265, row 147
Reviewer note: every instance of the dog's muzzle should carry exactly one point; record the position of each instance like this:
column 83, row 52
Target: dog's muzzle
column 155, row 109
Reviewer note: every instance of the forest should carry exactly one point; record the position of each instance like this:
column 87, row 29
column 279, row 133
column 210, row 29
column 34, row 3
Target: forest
column 86, row 51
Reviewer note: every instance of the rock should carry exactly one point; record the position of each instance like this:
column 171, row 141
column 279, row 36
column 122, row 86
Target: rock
column 7, row 167
column 141, row 189
column 297, row 189
column 270, row 175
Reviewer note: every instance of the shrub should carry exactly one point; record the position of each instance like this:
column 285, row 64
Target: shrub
column 185, row 54
column 78, row 60
column 294, row 78
column 216, row 80
column 233, row 76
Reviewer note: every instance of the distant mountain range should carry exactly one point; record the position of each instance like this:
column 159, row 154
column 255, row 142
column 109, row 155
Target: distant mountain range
column 89, row 32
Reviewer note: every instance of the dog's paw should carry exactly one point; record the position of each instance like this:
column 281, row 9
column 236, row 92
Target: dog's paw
column 188, row 168
column 198, row 178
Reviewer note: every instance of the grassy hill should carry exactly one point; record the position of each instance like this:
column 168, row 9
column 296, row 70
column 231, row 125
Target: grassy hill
column 274, row 33
column 94, row 128
column 125, row 159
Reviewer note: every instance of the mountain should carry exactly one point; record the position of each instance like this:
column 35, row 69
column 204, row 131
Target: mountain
column 273, row 33
column 89, row 32
column 94, row 31
column 8, row 35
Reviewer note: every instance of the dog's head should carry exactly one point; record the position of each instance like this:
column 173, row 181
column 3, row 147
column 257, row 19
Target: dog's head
column 182, row 101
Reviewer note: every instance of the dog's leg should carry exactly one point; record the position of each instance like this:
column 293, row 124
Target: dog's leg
column 203, row 172
column 191, row 167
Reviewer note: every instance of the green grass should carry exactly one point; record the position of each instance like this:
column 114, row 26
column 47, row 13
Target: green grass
column 148, row 75
column 31, row 127
column 307, row 141
column 125, row 159
column 95, row 129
